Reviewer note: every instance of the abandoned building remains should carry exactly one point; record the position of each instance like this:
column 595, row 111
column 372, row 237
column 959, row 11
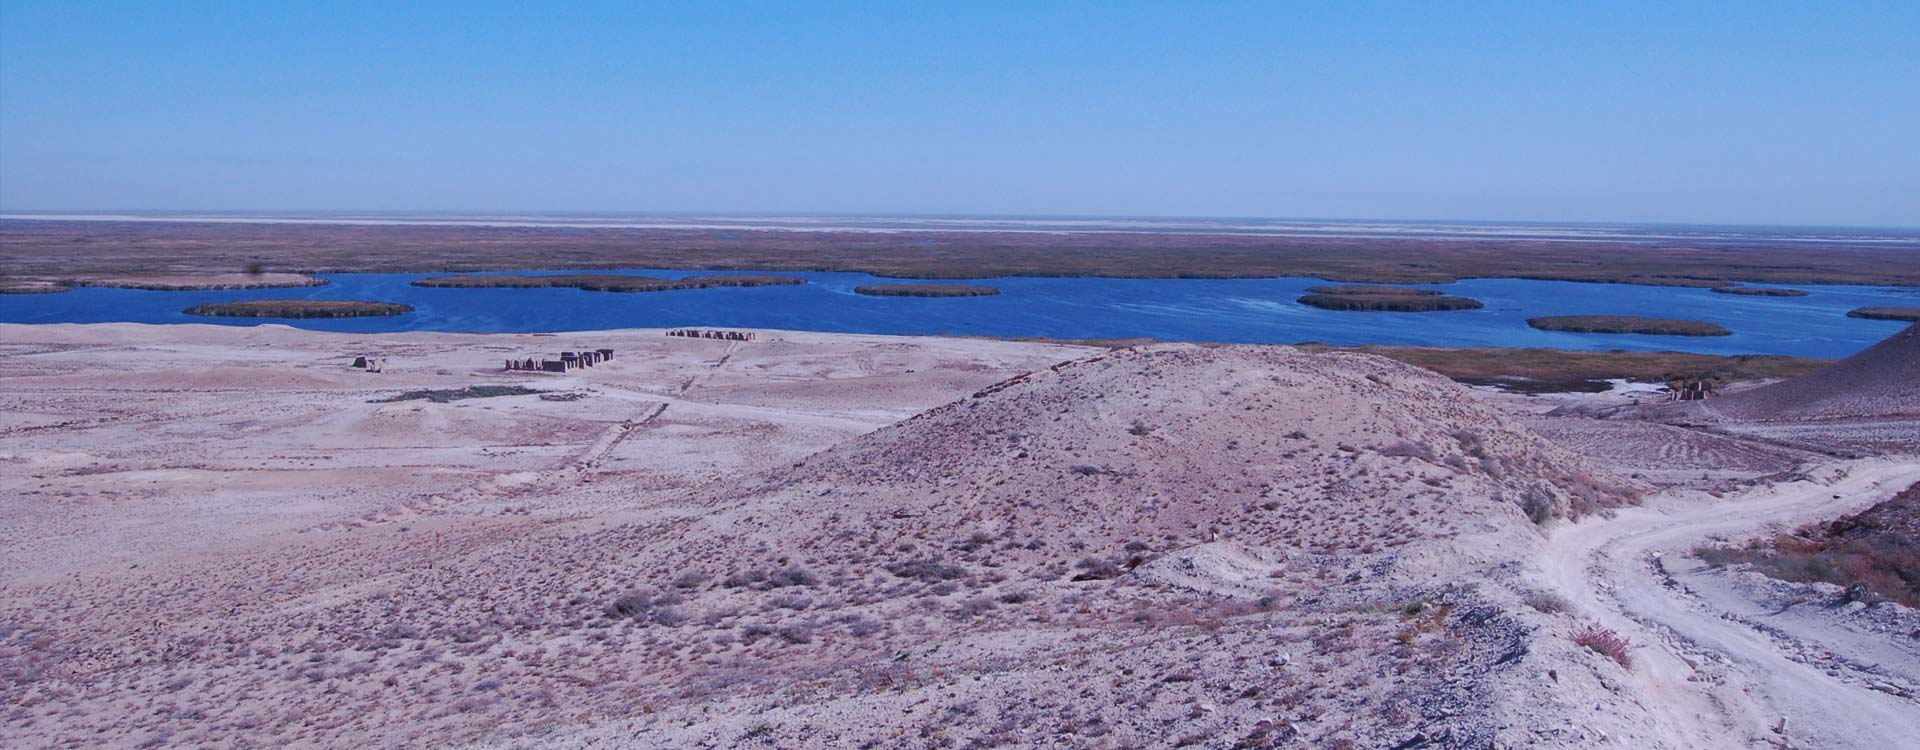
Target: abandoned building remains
column 567, row 361
column 1695, row 391
column 696, row 333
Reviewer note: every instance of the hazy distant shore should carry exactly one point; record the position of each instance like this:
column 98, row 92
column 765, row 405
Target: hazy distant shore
column 1538, row 231
column 937, row 249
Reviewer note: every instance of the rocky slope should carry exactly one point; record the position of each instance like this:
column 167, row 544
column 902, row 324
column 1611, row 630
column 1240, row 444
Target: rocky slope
column 1247, row 546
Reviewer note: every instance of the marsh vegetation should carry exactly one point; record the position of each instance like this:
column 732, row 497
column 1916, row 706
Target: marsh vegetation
column 1759, row 291
column 926, row 290
column 1907, row 314
column 1628, row 324
column 1371, row 298
column 299, row 308
column 604, row 282
column 94, row 248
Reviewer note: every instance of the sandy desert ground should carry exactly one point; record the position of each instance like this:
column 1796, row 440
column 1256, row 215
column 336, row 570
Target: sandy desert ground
column 229, row 537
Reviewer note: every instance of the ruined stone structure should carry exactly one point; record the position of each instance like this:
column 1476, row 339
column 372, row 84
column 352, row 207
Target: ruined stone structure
column 1698, row 390
column 567, row 361
column 696, row 333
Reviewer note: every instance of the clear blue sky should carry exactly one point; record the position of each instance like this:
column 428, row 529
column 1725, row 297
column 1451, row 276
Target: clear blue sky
column 1736, row 112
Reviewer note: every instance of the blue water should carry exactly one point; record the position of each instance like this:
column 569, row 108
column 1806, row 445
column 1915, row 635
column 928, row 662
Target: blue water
column 1229, row 310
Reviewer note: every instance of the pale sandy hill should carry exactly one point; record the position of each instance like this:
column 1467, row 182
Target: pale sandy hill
column 1863, row 405
column 1223, row 547
column 1206, row 538
column 1881, row 381
column 1331, row 453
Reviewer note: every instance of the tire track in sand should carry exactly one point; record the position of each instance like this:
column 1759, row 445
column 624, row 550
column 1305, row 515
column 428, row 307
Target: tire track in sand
column 1604, row 566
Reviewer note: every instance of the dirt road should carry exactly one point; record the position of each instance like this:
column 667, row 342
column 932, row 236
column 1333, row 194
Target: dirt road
column 1713, row 681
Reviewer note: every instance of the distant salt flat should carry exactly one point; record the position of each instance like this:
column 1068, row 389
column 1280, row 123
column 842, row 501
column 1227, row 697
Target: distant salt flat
column 1057, row 225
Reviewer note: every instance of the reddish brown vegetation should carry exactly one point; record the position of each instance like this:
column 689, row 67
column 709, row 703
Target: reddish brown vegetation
column 1555, row 370
column 1876, row 552
column 1606, row 643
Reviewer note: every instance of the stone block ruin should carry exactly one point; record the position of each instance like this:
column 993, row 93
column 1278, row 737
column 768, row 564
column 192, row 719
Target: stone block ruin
column 567, row 361
column 1695, row 391
column 696, row 333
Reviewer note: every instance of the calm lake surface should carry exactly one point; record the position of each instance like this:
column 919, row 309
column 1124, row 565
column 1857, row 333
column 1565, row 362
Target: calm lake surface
column 1228, row 310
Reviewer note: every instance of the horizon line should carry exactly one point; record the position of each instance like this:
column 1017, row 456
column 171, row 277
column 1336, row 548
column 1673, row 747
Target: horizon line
column 301, row 215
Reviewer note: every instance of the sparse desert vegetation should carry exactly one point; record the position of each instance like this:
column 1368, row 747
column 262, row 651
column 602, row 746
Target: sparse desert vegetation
column 298, row 308
column 449, row 395
column 1875, row 553
column 708, row 553
column 1561, row 370
column 1628, row 324
column 1548, row 602
column 1606, row 643
column 811, row 541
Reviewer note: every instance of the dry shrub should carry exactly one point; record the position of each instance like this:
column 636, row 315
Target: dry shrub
column 1098, row 569
column 929, row 569
column 1410, row 449
column 1547, row 602
column 1537, row 502
column 1606, row 643
column 1870, row 561
column 794, row 576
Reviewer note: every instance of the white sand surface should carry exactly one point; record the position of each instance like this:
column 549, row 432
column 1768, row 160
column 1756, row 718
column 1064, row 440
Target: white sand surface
column 228, row 537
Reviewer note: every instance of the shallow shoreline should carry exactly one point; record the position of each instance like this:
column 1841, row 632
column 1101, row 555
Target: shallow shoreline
column 1520, row 369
